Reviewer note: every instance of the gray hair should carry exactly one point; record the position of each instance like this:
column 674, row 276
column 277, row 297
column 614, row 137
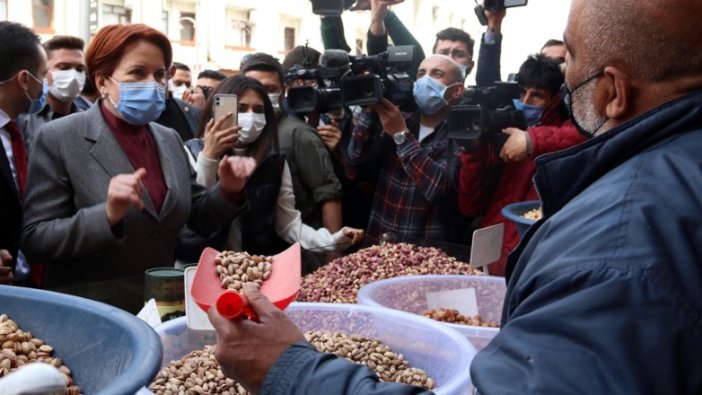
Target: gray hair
column 653, row 40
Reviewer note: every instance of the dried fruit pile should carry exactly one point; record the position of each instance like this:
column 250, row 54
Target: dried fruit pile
column 533, row 215
column 237, row 268
column 21, row 348
column 454, row 317
column 340, row 280
column 199, row 372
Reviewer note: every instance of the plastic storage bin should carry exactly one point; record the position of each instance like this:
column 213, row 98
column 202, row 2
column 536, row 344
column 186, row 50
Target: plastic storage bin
column 109, row 351
column 441, row 352
column 514, row 212
column 409, row 293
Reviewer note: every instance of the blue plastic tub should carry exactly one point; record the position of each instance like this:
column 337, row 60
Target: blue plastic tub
column 514, row 212
column 442, row 352
column 109, row 351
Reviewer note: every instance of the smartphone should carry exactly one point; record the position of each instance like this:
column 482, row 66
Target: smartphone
column 224, row 103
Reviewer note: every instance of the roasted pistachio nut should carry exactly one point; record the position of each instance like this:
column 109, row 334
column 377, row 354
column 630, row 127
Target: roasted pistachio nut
column 237, row 268
column 20, row 348
column 533, row 215
column 452, row 316
column 199, row 373
column 340, row 280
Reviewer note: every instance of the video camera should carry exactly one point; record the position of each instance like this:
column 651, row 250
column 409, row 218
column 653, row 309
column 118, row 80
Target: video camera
column 484, row 112
column 495, row 5
column 378, row 76
column 326, row 96
column 343, row 80
column 330, row 7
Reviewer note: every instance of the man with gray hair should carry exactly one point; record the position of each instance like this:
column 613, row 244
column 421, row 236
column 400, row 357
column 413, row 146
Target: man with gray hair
column 605, row 292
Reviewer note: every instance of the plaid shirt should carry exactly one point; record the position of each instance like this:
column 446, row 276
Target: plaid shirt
column 412, row 181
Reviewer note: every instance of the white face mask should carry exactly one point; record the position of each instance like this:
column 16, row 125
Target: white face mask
column 275, row 101
column 66, row 84
column 251, row 126
column 177, row 91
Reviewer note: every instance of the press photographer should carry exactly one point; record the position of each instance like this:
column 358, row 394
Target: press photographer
column 413, row 179
column 314, row 94
column 487, row 182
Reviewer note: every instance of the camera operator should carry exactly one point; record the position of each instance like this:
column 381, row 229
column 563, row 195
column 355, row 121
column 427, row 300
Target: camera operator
column 334, row 127
column 452, row 42
column 413, row 177
column 549, row 130
column 491, row 49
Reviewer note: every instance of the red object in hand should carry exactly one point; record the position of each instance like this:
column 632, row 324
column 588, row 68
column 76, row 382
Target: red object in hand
column 281, row 287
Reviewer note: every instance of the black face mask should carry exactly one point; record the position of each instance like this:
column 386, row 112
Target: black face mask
column 569, row 103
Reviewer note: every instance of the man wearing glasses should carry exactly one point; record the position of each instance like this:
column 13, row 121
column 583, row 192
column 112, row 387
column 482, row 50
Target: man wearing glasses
column 456, row 44
column 206, row 82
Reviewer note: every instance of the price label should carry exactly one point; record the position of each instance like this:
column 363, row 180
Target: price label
column 463, row 300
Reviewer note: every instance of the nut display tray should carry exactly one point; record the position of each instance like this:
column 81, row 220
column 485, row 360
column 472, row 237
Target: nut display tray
column 109, row 351
column 409, row 293
column 444, row 354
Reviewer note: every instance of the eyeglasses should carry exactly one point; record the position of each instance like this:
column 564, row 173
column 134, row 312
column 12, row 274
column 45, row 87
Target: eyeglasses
column 454, row 53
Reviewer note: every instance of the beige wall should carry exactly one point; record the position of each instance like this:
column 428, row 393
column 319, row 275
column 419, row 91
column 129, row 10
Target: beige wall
column 525, row 28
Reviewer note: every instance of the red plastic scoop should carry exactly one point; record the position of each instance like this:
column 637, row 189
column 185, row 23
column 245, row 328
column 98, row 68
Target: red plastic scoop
column 281, row 287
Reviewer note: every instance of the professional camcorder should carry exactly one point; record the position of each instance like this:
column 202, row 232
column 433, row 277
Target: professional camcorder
column 343, row 80
column 484, row 112
column 495, row 5
column 326, row 96
column 378, row 76
column 330, row 7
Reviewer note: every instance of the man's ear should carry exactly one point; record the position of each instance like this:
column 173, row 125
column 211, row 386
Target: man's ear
column 458, row 90
column 617, row 94
column 23, row 78
column 171, row 71
column 470, row 68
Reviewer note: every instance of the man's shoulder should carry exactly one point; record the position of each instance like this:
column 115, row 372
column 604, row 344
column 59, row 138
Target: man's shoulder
column 293, row 131
column 287, row 122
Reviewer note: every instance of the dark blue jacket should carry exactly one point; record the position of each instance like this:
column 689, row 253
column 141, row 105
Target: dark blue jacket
column 605, row 293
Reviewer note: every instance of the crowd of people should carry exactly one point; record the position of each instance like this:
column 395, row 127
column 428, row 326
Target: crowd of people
column 114, row 162
column 102, row 189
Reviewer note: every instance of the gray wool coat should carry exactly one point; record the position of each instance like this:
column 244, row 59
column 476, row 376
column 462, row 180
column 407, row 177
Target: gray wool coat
column 65, row 223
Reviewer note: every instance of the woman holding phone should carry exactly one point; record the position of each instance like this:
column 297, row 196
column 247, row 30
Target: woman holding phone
column 269, row 221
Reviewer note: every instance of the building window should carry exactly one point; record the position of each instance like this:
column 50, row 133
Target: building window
column 3, row 10
column 435, row 15
column 289, row 38
column 238, row 29
column 187, row 26
column 43, row 14
column 112, row 14
column 164, row 22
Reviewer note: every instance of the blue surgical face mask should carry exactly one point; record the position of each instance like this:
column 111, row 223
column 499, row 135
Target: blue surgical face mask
column 429, row 95
column 37, row 104
column 464, row 70
column 140, row 102
column 532, row 114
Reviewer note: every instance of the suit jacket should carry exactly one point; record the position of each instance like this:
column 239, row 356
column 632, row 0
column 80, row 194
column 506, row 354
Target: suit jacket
column 10, row 207
column 65, row 222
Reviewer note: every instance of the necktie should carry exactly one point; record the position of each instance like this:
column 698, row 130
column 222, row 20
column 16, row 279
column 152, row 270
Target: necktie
column 19, row 155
